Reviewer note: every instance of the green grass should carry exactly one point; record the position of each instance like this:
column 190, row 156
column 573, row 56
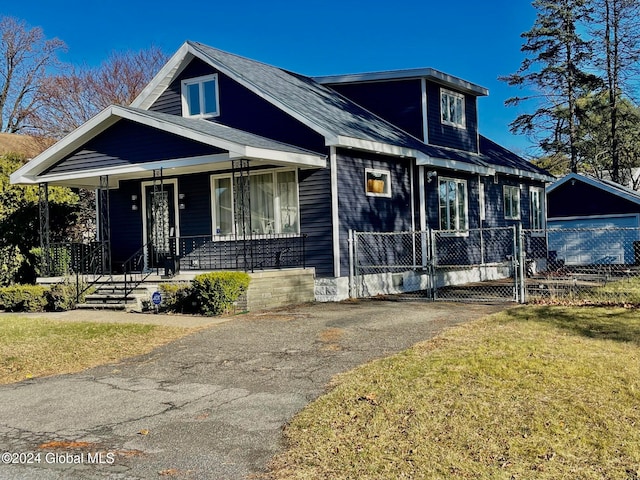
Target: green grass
column 533, row 392
column 33, row 347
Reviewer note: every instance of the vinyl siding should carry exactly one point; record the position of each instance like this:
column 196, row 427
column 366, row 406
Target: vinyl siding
column 582, row 199
column 398, row 102
column 315, row 219
column 127, row 143
column 126, row 224
column 447, row 135
column 195, row 219
column 242, row 109
column 363, row 213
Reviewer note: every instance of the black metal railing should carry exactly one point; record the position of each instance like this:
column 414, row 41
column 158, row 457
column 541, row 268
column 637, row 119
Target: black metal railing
column 78, row 259
column 137, row 268
column 67, row 258
column 226, row 252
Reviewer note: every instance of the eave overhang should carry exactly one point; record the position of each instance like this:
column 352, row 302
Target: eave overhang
column 274, row 154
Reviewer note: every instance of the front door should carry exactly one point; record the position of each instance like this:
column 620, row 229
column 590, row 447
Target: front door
column 160, row 222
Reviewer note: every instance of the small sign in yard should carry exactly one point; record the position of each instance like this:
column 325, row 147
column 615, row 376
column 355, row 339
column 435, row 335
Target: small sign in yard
column 156, row 298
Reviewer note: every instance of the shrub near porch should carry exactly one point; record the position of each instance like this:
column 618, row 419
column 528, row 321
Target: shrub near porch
column 212, row 293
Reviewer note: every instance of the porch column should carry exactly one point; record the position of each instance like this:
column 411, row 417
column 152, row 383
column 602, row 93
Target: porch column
column 104, row 224
column 45, row 228
column 242, row 209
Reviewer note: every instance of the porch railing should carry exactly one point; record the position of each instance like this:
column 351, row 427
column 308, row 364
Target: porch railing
column 226, row 252
column 79, row 260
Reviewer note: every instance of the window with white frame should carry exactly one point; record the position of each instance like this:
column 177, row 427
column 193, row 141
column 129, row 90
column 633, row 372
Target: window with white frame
column 200, row 97
column 453, row 204
column 377, row 182
column 452, row 108
column 537, row 207
column 511, row 195
column 271, row 202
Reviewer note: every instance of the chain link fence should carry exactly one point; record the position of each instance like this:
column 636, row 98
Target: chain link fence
column 592, row 266
column 599, row 266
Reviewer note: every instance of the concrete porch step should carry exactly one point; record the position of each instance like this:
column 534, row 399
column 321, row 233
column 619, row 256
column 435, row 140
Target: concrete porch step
column 98, row 306
column 105, row 298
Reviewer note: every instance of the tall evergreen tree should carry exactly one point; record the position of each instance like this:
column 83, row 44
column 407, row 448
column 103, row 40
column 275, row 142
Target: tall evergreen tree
column 556, row 69
column 617, row 43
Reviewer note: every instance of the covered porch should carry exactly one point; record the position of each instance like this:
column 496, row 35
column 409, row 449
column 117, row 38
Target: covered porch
column 174, row 195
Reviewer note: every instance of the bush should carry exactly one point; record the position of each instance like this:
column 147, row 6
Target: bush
column 63, row 296
column 215, row 292
column 24, row 298
column 178, row 297
column 10, row 262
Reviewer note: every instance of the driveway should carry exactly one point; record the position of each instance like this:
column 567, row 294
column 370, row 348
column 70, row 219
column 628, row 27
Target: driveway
column 211, row 405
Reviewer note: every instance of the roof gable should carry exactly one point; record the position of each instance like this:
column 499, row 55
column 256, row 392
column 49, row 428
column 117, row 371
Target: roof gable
column 198, row 134
column 606, row 186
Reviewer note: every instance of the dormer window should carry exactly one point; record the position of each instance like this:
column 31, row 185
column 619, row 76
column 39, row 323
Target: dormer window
column 452, row 108
column 200, row 97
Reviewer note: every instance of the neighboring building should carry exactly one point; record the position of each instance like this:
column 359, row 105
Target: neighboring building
column 599, row 221
column 226, row 162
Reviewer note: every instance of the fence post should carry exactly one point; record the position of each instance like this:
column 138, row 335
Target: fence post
column 521, row 264
column 514, row 262
column 433, row 261
column 351, row 242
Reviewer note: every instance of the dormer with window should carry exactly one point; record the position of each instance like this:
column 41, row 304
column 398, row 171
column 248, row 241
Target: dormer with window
column 200, row 97
column 437, row 108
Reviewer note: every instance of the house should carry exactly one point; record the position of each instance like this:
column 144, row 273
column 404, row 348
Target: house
column 227, row 162
column 595, row 221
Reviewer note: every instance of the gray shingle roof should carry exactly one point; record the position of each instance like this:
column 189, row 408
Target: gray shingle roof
column 338, row 116
column 320, row 105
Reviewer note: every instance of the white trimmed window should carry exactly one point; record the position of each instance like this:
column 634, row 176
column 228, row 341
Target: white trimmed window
column 200, row 97
column 537, row 207
column 511, row 195
column 452, row 108
column 271, row 195
column 377, row 183
column 453, row 204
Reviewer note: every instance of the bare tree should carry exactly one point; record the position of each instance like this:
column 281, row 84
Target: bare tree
column 25, row 56
column 73, row 97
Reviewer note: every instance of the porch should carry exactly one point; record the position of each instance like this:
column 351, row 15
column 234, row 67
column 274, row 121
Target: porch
column 179, row 255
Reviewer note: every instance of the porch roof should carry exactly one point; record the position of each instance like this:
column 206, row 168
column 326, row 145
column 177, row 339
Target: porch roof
column 227, row 144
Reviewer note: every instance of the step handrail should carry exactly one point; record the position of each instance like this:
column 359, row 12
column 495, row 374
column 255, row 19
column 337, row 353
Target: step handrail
column 90, row 255
column 134, row 261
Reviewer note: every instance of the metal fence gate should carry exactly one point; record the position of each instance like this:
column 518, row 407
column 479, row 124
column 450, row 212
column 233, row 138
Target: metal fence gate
column 587, row 265
column 479, row 264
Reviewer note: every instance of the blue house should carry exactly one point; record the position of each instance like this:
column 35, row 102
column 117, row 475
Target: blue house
column 224, row 162
column 593, row 221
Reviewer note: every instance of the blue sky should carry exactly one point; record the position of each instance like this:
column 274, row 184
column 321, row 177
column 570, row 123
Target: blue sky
column 477, row 41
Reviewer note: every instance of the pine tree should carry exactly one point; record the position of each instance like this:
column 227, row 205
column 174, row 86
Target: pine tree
column 556, row 70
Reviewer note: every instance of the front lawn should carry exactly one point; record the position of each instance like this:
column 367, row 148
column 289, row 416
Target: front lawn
column 533, row 392
column 34, row 347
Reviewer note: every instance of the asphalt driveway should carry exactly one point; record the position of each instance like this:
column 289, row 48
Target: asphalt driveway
column 211, row 405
